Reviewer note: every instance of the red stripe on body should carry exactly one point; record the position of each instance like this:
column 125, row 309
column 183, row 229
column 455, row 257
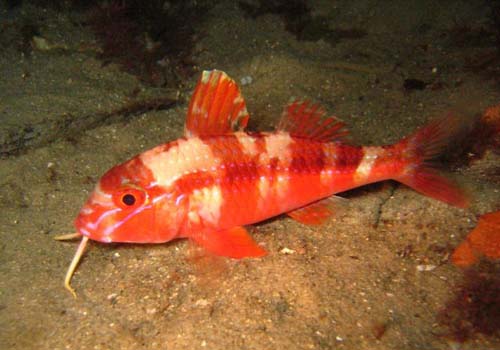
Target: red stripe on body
column 237, row 178
column 233, row 173
column 188, row 183
column 307, row 157
column 307, row 163
column 346, row 158
column 342, row 162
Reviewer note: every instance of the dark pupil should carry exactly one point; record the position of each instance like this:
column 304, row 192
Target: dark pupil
column 128, row 199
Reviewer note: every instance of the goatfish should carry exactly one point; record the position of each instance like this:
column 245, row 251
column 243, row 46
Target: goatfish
column 217, row 178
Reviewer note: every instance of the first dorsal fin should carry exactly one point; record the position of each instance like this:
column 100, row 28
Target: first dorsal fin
column 216, row 106
column 303, row 119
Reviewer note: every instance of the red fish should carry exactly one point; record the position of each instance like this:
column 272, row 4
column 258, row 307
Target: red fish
column 208, row 184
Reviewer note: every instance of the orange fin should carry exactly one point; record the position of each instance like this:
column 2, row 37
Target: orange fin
column 216, row 106
column 234, row 243
column 431, row 183
column 318, row 212
column 482, row 240
column 303, row 119
column 421, row 149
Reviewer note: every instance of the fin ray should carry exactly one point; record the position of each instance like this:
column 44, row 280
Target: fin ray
column 432, row 183
column 216, row 107
column 303, row 119
column 318, row 212
column 421, row 149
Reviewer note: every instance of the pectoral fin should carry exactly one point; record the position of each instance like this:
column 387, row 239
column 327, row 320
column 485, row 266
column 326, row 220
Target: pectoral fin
column 234, row 243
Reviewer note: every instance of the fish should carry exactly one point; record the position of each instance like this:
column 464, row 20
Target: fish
column 218, row 177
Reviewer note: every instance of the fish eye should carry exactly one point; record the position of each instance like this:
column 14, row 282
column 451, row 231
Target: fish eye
column 128, row 199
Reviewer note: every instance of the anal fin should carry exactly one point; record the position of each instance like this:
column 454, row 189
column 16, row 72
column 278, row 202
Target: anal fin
column 234, row 243
column 318, row 212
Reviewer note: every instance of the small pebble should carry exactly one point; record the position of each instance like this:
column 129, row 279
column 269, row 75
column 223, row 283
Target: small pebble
column 111, row 296
column 246, row 80
column 421, row 268
column 287, row 251
column 201, row 302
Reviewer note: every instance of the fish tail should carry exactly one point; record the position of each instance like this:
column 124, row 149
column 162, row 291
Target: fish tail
column 421, row 151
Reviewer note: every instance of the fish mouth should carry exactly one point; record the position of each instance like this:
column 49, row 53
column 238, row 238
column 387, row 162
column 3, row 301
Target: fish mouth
column 95, row 235
column 83, row 231
column 81, row 225
column 93, row 222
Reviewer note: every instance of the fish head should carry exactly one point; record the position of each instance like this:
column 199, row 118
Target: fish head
column 127, row 206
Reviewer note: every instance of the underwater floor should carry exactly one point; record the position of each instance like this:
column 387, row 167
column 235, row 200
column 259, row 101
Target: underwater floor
column 74, row 102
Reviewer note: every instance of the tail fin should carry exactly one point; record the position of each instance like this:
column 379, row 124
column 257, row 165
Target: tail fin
column 422, row 149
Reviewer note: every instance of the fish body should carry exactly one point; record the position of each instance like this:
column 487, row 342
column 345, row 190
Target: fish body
column 208, row 184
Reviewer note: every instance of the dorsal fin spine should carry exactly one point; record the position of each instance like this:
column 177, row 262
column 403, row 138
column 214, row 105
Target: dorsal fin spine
column 223, row 105
column 216, row 106
column 306, row 120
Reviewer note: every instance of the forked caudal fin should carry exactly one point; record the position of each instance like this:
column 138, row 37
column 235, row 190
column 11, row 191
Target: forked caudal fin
column 421, row 149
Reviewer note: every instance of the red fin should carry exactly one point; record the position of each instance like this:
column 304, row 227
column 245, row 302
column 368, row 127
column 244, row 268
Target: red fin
column 318, row 212
column 303, row 119
column 464, row 255
column 216, row 106
column 234, row 243
column 483, row 240
column 431, row 183
column 433, row 139
column 421, row 149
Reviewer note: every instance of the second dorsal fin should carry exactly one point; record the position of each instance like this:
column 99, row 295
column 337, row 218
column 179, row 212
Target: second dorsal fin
column 216, row 106
column 304, row 119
